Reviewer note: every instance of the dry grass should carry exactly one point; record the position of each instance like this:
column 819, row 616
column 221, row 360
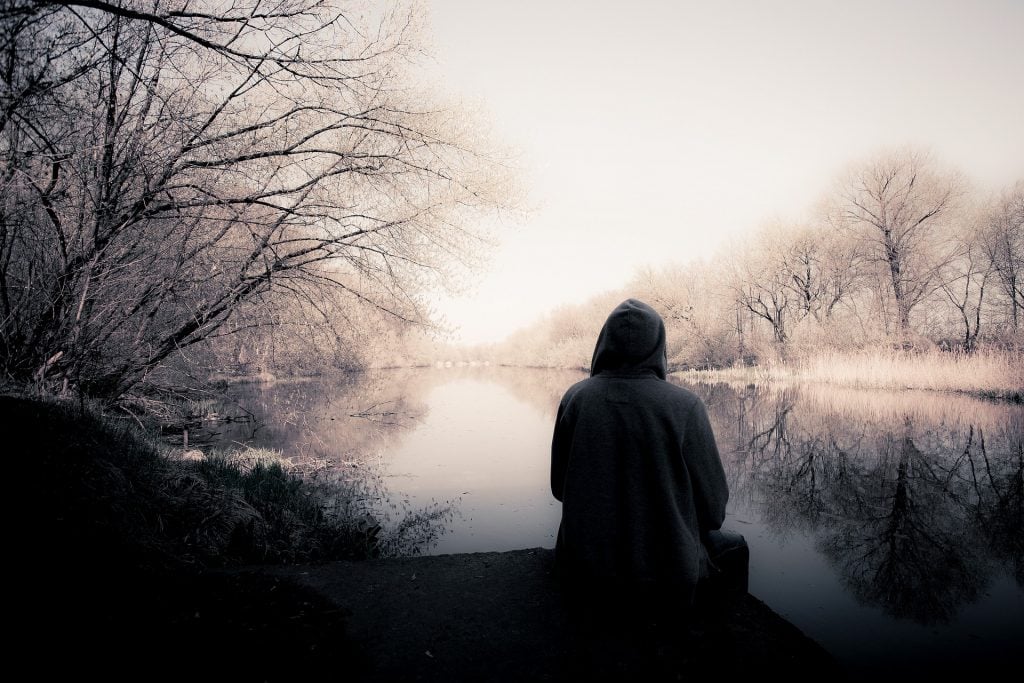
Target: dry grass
column 822, row 406
column 996, row 374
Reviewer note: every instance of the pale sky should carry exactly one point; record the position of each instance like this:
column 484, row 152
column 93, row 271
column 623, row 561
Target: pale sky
column 652, row 131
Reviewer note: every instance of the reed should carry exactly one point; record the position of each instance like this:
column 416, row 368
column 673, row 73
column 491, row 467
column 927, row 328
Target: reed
column 986, row 373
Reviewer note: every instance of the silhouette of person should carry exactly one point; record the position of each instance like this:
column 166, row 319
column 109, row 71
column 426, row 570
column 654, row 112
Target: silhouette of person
column 636, row 468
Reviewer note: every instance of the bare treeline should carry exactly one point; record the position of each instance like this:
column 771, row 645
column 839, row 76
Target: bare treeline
column 901, row 253
column 176, row 171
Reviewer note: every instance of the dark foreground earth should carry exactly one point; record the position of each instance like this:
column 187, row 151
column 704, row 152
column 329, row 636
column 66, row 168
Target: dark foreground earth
column 472, row 617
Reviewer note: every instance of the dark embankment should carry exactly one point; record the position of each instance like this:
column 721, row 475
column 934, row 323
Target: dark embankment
column 114, row 543
column 503, row 617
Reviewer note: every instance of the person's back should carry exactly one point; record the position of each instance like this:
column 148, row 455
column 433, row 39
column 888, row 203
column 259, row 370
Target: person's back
column 635, row 465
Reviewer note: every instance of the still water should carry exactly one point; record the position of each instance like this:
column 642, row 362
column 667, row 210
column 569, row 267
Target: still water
column 889, row 527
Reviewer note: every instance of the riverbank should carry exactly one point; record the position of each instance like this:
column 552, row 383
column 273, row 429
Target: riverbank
column 502, row 617
column 983, row 374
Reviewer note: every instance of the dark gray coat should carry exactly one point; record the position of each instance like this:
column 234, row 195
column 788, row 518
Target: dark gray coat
column 635, row 465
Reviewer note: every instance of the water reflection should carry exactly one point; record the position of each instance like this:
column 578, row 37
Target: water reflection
column 357, row 417
column 471, row 442
column 338, row 432
column 345, row 420
column 915, row 500
column 481, row 443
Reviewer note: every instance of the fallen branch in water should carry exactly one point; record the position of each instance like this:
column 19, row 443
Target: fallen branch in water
column 367, row 412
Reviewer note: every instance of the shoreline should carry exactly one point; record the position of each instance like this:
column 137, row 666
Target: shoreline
column 755, row 375
column 993, row 376
column 501, row 616
column 490, row 616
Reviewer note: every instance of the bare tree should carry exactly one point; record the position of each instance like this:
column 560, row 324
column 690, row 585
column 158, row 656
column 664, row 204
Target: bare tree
column 895, row 206
column 1002, row 239
column 166, row 165
column 763, row 285
column 964, row 287
column 693, row 303
column 820, row 267
column 800, row 260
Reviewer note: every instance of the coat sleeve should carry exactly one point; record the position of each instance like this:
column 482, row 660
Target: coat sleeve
column 710, row 489
column 560, row 444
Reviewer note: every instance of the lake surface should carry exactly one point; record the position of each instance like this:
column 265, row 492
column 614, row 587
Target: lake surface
column 887, row 526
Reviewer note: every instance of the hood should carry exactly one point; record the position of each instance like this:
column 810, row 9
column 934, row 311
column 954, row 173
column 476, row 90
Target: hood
column 632, row 341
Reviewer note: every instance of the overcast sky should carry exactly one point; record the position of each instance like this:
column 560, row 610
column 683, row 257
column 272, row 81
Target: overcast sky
column 652, row 131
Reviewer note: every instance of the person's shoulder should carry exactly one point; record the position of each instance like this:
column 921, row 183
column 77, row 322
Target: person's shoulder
column 680, row 396
column 576, row 388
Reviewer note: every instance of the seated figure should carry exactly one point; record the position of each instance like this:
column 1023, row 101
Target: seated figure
column 636, row 468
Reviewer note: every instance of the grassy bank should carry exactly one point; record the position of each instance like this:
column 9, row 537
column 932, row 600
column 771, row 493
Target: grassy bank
column 992, row 374
column 107, row 489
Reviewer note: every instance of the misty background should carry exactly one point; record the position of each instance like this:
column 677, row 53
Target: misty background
column 664, row 132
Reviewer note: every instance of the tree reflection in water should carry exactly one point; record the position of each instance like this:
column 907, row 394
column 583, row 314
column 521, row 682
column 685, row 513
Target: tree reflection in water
column 915, row 499
column 336, row 432
column 350, row 428
column 998, row 511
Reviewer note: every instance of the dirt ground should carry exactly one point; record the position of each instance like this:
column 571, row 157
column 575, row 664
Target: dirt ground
column 472, row 617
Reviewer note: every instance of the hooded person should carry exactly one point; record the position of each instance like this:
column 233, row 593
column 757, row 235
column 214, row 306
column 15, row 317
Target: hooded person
column 636, row 468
